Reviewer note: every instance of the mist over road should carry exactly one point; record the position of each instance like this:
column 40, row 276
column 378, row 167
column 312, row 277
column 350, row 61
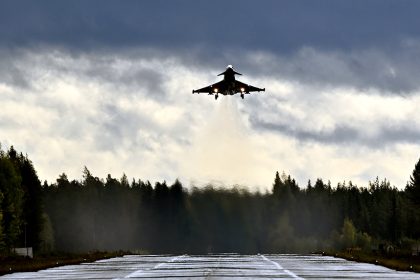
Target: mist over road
column 221, row 266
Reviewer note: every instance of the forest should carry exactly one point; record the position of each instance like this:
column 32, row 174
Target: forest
column 96, row 214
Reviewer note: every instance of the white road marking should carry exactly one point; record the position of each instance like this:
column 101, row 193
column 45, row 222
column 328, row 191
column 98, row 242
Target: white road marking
column 292, row 274
column 140, row 271
column 278, row 266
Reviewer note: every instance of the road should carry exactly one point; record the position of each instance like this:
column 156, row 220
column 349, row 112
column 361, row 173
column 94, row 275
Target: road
column 220, row 266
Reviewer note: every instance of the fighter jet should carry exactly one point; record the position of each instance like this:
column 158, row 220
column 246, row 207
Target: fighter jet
column 228, row 86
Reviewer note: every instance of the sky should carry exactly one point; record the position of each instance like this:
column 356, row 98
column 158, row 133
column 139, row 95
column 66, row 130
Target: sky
column 107, row 85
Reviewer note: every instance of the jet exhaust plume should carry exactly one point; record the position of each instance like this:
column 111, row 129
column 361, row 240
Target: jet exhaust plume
column 222, row 150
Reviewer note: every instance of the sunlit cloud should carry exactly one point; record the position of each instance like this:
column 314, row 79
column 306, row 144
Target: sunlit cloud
column 133, row 112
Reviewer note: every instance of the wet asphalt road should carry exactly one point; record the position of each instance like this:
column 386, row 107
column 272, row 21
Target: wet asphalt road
column 222, row 266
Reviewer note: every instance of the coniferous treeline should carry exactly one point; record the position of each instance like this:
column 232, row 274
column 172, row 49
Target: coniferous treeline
column 21, row 220
column 113, row 214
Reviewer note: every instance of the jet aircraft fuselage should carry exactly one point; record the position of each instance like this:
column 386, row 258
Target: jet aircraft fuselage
column 229, row 85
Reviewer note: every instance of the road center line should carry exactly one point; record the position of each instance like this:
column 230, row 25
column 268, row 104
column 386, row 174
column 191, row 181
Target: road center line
column 278, row 266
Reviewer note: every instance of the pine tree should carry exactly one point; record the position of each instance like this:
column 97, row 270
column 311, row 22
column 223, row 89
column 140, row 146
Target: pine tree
column 32, row 208
column 413, row 194
column 277, row 185
column 413, row 187
column 12, row 203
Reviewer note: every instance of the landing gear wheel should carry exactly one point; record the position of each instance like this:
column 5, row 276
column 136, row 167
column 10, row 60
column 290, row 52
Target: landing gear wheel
column 216, row 96
column 242, row 96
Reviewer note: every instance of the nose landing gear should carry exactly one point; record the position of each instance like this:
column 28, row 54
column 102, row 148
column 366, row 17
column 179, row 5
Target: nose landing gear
column 216, row 96
column 242, row 96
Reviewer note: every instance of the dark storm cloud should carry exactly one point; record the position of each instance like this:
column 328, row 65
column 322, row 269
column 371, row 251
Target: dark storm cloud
column 214, row 25
column 119, row 72
column 345, row 134
column 360, row 44
column 133, row 77
column 391, row 72
column 11, row 72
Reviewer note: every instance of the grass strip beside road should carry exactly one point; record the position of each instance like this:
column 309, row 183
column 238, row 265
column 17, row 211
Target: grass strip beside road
column 13, row 264
column 401, row 263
